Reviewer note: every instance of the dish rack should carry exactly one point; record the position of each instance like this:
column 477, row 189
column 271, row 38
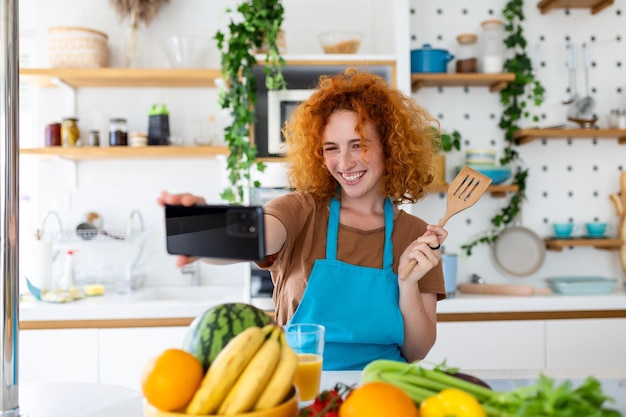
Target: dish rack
column 101, row 255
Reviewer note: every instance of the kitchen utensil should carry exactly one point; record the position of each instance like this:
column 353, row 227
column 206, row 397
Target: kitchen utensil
column 88, row 231
column 502, row 289
column 581, row 285
column 464, row 191
column 584, row 123
column 571, row 66
column 428, row 59
column 518, row 251
column 585, row 105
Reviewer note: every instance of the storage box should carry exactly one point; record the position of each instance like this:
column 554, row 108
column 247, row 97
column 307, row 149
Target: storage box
column 581, row 285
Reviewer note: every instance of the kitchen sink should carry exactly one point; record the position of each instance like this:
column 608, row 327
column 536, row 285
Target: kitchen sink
column 190, row 294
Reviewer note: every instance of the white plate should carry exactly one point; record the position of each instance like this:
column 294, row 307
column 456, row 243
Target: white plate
column 518, row 251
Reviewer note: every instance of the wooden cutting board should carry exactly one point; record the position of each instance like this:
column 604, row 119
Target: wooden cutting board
column 502, row 289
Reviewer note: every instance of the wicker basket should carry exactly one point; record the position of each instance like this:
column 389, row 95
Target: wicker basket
column 76, row 47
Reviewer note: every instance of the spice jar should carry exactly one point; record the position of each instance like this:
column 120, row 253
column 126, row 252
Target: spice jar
column 118, row 132
column 94, row 138
column 70, row 134
column 493, row 46
column 53, row 134
column 467, row 54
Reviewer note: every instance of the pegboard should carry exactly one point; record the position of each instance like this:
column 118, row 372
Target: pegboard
column 569, row 179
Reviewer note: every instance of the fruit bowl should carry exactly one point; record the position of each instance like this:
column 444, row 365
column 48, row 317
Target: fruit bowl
column 288, row 408
column 340, row 42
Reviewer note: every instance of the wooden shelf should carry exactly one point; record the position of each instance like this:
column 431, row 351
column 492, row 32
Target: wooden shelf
column 120, row 77
column 494, row 190
column 80, row 153
column 495, row 82
column 595, row 5
column 559, row 244
column 528, row 135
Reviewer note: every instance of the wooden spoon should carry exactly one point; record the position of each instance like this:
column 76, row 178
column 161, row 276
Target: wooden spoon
column 465, row 190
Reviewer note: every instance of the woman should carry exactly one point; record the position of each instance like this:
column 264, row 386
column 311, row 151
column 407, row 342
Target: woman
column 355, row 150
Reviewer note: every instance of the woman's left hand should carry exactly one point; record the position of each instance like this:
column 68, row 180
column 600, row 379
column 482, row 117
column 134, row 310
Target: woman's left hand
column 424, row 252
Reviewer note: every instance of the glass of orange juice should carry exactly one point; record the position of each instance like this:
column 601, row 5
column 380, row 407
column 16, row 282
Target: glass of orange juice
column 307, row 339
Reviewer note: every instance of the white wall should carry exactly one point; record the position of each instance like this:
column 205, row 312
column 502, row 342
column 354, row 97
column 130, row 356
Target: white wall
column 587, row 169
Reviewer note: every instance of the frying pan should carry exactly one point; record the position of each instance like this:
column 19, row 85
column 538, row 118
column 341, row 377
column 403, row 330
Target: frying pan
column 518, row 251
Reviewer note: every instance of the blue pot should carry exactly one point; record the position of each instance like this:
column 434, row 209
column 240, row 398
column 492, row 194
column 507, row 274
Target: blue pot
column 428, row 59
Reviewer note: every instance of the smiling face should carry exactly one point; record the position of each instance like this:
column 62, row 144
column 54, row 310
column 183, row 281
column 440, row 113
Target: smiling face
column 358, row 172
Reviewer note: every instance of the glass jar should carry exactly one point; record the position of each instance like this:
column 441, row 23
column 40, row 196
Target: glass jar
column 53, row 134
column 94, row 138
column 467, row 53
column 118, row 132
column 492, row 46
column 70, row 135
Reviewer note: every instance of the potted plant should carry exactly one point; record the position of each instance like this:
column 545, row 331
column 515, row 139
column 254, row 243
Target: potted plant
column 258, row 25
column 447, row 143
column 525, row 87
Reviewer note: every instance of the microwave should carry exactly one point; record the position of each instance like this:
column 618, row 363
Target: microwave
column 280, row 105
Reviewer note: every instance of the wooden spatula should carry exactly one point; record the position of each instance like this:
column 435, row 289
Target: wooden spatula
column 463, row 192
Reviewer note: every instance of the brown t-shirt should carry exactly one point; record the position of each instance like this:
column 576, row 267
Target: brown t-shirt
column 306, row 221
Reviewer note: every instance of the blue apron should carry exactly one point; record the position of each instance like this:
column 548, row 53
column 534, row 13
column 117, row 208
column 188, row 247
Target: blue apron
column 358, row 305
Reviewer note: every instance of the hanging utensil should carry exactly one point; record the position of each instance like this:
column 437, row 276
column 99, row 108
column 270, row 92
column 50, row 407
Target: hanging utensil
column 571, row 66
column 585, row 105
column 464, row 191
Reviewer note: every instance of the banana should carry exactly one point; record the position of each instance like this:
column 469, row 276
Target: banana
column 281, row 381
column 225, row 369
column 254, row 378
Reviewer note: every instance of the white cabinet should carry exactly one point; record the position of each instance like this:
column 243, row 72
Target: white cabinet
column 124, row 352
column 64, row 355
column 588, row 343
column 490, row 344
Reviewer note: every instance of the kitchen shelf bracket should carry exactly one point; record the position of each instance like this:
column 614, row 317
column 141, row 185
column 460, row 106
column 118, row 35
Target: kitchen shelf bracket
column 70, row 93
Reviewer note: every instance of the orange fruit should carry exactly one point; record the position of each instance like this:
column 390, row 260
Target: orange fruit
column 376, row 399
column 170, row 379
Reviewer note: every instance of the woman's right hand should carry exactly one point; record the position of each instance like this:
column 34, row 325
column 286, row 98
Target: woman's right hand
column 184, row 199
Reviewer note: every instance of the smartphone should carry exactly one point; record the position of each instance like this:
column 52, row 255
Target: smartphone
column 215, row 231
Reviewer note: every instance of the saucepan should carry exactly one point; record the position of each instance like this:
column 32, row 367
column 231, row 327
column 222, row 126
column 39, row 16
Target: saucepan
column 428, row 59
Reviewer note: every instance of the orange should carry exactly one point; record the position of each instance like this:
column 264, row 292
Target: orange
column 170, row 379
column 376, row 399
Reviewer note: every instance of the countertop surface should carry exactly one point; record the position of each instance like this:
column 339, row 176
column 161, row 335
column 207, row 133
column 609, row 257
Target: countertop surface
column 189, row 302
column 101, row 400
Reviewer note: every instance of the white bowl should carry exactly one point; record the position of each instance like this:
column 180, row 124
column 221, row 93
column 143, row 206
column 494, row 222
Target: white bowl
column 187, row 51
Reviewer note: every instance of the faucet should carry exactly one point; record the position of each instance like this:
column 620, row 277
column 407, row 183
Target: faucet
column 193, row 270
column 54, row 214
column 129, row 227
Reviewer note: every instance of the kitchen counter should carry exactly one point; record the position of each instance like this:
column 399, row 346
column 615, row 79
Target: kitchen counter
column 177, row 306
column 100, row 400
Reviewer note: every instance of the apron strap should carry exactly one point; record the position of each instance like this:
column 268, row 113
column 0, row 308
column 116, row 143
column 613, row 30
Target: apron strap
column 388, row 252
column 333, row 232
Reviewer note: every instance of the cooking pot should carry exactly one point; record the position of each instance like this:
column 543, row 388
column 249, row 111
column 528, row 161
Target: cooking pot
column 427, row 59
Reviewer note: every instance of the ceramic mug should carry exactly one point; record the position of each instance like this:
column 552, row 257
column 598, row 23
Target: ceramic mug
column 563, row 229
column 597, row 229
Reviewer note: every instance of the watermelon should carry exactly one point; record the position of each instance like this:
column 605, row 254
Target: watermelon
column 211, row 331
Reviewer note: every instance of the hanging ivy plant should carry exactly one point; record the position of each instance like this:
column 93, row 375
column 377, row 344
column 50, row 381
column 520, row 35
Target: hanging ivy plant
column 515, row 98
column 257, row 26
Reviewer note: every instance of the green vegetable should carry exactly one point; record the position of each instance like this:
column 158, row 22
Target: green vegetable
column 545, row 398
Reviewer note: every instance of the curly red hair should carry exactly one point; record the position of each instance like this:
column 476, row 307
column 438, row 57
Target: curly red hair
column 409, row 135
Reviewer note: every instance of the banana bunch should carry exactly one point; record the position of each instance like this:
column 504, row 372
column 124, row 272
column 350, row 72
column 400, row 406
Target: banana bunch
column 254, row 371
